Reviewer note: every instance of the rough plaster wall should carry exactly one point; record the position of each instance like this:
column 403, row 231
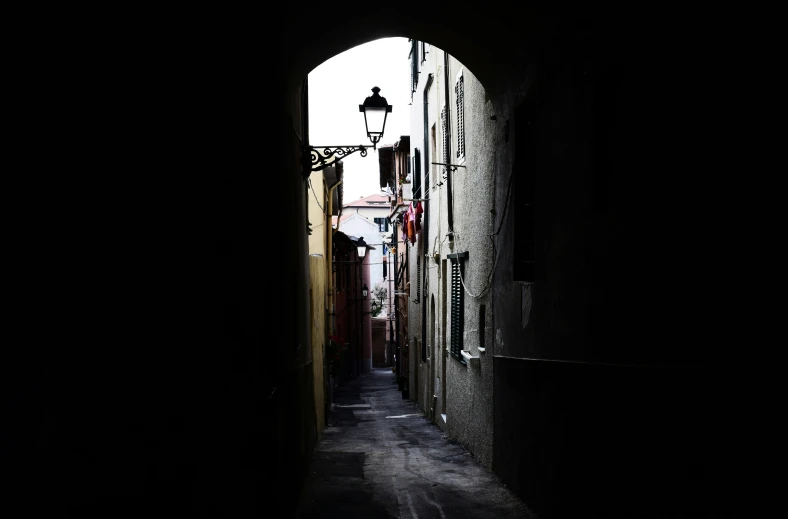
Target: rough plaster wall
column 421, row 387
column 470, row 404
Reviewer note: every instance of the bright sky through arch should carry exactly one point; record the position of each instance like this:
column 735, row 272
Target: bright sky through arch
column 339, row 85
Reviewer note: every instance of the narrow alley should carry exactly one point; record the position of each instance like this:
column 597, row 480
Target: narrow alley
column 380, row 457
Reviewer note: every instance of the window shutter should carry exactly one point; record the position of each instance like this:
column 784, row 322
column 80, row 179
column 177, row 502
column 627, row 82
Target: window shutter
column 414, row 65
column 418, row 273
column 445, row 133
column 457, row 308
column 427, row 166
column 459, row 90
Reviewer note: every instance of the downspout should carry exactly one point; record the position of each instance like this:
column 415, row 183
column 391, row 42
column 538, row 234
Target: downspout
column 330, row 261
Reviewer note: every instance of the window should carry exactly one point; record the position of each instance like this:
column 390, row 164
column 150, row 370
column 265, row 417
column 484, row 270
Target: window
column 457, row 308
column 383, row 224
column 418, row 271
column 427, row 165
column 445, row 133
column 459, row 90
column 414, row 66
column 433, row 150
column 417, row 174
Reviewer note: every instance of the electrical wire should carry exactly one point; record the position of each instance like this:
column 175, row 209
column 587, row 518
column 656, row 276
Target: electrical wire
column 494, row 248
column 315, row 194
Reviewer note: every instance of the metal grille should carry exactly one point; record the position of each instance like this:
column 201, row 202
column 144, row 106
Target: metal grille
column 459, row 90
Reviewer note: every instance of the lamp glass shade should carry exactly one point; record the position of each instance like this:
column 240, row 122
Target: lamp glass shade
column 375, row 119
column 362, row 251
column 364, row 291
column 375, row 109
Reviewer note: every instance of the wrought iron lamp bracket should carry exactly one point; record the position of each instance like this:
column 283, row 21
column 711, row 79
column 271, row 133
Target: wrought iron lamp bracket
column 321, row 157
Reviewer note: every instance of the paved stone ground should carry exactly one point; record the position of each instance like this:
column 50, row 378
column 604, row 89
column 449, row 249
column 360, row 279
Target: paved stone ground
column 380, row 458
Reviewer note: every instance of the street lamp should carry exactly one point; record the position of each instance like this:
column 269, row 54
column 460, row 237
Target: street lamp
column 362, row 248
column 376, row 109
column 365, row 292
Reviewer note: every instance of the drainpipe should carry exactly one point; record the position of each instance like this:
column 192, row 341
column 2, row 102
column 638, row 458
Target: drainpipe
column 330, row 262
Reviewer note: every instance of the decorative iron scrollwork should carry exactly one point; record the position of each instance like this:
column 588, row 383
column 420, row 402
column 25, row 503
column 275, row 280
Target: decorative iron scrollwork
column 324, row 156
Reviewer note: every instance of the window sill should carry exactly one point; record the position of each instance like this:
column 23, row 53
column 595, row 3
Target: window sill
column 459, row 358
column 469, row 359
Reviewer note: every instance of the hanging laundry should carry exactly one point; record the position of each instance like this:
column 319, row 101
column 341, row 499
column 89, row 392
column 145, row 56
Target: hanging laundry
column 417, row 210
column 411, row 224
column 405, row 226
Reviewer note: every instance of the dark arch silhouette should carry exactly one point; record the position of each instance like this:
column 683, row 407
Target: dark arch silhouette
column 170, row 292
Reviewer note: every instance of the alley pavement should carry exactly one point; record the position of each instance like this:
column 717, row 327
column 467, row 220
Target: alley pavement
column 381, row 458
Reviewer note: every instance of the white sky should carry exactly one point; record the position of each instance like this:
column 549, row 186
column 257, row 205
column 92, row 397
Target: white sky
column 339, row 85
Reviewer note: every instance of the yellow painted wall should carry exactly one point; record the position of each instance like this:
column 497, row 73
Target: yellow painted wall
column 316, row 204
column 317, row 288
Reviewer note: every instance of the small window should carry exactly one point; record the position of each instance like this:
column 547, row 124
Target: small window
column 445, row 133
column 457, row 308
column 433, row 148
column 414, row 66
column 383, row 224
column 459, row 90
column 418, row 272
